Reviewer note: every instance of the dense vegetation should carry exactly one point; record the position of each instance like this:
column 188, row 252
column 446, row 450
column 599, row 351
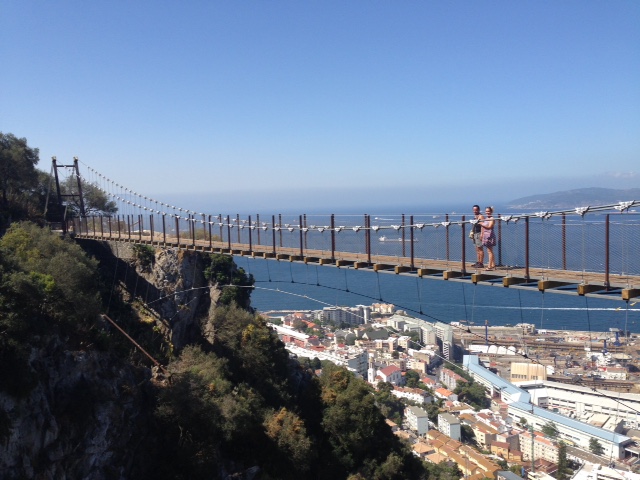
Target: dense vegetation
column 47, row 287
column 233, row 403
column 24, row 189
column 246, row 401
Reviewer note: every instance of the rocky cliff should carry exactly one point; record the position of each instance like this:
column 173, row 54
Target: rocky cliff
column 88, row 410
column 83, row 418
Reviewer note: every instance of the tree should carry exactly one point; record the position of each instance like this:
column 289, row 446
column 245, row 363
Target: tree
column 415, row 339
column 468, row 435
column 550, row 429
column 355, row 429
column 17, row 166
column 563, row 464
column 412, row 378
column 287, row 430
column 517, row 469
column 57, row 276
column 96, row 202
column 236, row 285
column 433, row 409
column 390, row 406
column 443, row 471
column 595, row 447
column 472, row 393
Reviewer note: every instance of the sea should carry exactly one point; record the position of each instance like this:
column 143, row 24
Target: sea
column 284, row 285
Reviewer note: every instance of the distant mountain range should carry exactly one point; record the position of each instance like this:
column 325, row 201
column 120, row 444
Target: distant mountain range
column 580, row 197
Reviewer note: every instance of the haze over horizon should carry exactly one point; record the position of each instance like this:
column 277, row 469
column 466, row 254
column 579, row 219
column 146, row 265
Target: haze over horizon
column 333, row 104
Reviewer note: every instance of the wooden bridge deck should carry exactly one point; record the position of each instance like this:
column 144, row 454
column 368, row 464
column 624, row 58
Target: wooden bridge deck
column 621, row 287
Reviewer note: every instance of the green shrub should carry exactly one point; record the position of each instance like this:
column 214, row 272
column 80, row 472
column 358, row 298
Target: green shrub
column 144, row 254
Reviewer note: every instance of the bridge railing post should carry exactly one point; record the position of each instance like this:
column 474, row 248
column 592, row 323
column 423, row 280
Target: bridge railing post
column 177, row 219
column 411, row 238
column 463, row 267
column 564, row 241
column 204, row 228
column 164, row 228
column 258, row 227
column 301, row 236
column 250, row 234
column 304, row 221
column 129, row 222
column 446, row 229
column 192, row 221
column 404, row 253
column 229, row 232
column 499, row 240
column 333, row 236
column 280, row 225
column 140, row 226
column 151, row 227
column 607, row 246
column 109, row 220
column 210, row 235
column 273, row 232
column 367, row 226
column 101, row 227
column 526, row 253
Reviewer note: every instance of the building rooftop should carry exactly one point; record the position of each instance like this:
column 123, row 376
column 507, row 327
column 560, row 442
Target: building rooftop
column 386, row 371
column 450, row 419
column 571, row 423
column 472, row 363
column 508, row 475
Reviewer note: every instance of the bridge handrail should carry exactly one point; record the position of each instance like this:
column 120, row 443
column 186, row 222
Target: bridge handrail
column 559, row 245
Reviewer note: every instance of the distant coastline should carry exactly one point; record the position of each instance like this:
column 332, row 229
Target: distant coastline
column 580, row 197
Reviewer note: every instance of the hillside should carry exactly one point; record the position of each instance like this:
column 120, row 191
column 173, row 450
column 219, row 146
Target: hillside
column 77, row 400
column 569, row 199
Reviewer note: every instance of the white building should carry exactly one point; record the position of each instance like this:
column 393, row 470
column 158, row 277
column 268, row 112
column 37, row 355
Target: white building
column 397, row 322
column 366, row 312
column 340, row 315
column 354, row 360
column 449, row 425
column 390, row 374
column 541, row 447
column 428, row 334
column 572, row 431
column 417, row 419
column 414, row 394
column 383, row 308
column 581, row 402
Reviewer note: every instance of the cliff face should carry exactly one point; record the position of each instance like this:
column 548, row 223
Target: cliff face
column 182, row 294
column 82, row 419
column 89, row 409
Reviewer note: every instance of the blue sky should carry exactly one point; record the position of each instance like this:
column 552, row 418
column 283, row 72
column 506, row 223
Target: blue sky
column 316, row 104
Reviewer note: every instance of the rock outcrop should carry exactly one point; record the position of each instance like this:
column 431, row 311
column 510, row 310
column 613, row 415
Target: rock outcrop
column 83, row 418
column 182, row 293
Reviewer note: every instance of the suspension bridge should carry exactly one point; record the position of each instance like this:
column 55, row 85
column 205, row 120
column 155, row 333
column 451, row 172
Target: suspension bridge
column 587, row 250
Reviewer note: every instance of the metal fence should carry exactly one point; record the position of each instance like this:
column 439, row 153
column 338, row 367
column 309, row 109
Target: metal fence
column 601, row 242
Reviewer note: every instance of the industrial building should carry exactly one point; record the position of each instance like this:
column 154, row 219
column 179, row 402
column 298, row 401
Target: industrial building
column 521, row 408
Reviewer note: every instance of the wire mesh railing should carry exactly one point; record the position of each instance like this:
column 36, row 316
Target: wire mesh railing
column 606, row 242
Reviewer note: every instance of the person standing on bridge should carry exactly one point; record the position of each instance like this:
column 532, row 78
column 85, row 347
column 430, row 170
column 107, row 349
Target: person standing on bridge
column 476, row 228
column 489, row 236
